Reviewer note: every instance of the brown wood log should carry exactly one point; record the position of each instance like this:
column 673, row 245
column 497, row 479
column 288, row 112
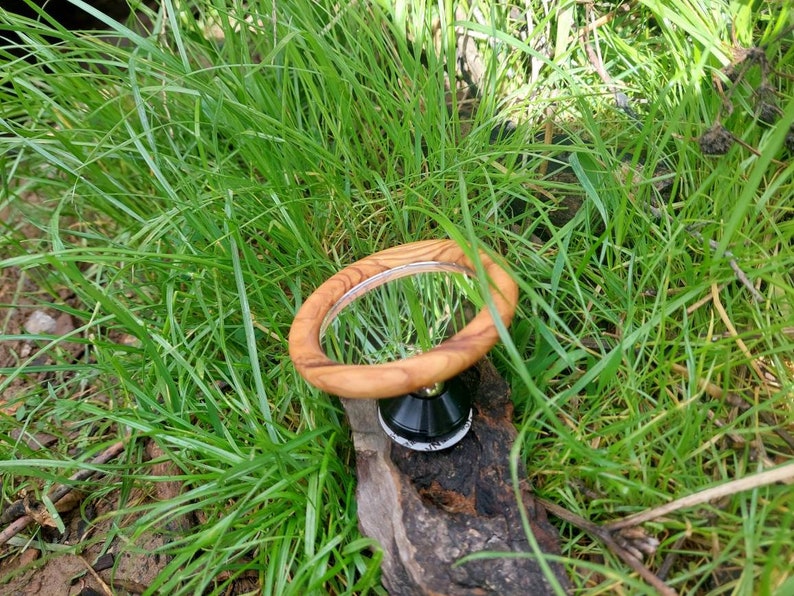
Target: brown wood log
column 429, row 510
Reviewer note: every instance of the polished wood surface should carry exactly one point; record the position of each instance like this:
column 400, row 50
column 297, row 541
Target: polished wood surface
column 390, row 379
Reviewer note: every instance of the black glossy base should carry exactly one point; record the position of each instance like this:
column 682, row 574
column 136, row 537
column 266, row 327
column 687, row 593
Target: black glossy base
column 429, row 420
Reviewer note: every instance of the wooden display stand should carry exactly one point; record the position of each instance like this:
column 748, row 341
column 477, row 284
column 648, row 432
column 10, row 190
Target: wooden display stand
column 430, row 510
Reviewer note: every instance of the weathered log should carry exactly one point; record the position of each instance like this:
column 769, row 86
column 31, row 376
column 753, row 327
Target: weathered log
column 429, row 510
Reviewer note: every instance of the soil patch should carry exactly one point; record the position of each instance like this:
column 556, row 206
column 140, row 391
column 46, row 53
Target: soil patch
column 94, row 554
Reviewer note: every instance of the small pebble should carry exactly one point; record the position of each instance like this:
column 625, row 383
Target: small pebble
column 28, row 556
column 63, row 325
column 40, row 322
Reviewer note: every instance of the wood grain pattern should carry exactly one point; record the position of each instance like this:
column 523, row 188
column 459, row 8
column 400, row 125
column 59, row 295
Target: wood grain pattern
column 391, row 379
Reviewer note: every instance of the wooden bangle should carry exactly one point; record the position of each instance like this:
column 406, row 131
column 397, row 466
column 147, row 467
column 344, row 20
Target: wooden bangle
column 391, row 379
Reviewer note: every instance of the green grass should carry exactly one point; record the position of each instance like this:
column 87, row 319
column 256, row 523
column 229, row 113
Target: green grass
column 193, row 188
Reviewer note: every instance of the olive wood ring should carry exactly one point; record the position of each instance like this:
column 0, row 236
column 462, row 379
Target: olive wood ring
column 399, row 377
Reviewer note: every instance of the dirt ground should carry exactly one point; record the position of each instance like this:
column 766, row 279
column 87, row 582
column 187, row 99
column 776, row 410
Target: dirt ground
column 95, row 554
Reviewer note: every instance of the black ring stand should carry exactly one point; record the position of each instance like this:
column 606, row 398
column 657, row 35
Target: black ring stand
column 430, row 419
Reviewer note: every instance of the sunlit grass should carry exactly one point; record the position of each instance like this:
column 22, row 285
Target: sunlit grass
column 195, row 184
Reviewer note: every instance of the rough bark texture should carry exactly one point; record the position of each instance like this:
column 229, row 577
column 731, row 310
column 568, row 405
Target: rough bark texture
column 428, row 510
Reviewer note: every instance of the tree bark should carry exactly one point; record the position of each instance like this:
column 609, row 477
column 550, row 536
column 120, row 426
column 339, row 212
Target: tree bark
column 429, row 510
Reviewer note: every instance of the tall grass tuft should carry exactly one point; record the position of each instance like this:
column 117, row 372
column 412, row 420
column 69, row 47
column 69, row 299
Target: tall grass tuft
column 191, row 183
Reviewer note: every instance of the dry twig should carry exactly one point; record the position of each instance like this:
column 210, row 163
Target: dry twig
column 602, row 20
column 734, row 399
column 15, row 528
column 699, row 303
column 780, row 474
column 15, row 513
column 97, row 578
column 715, row 299
column 607, row 537
column 614, row 534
